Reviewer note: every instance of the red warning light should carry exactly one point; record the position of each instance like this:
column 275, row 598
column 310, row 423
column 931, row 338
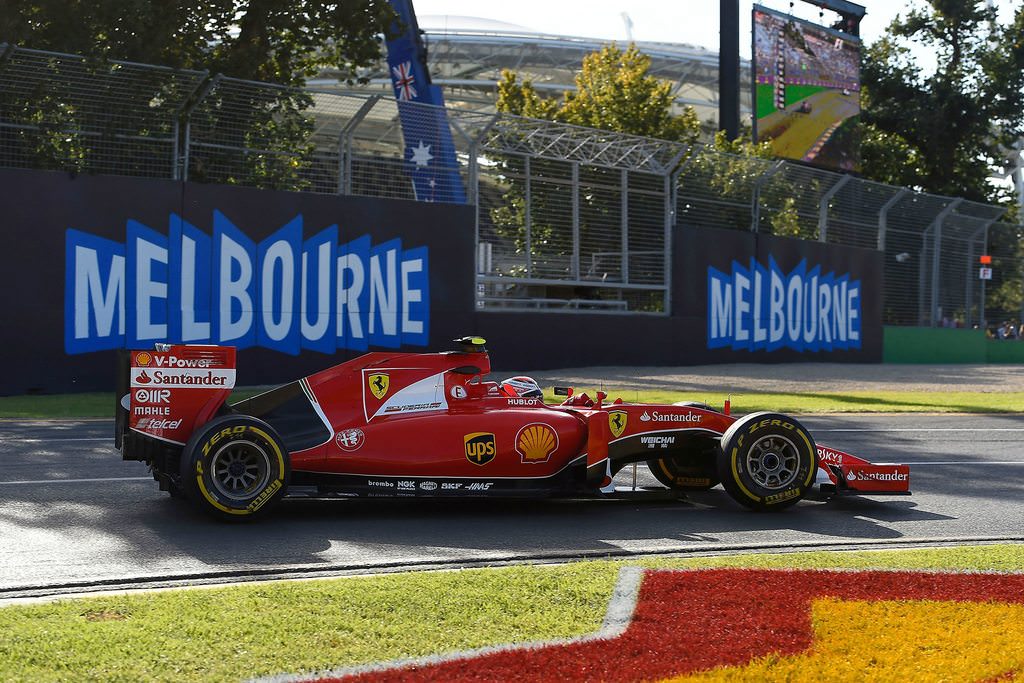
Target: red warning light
column 985, row 259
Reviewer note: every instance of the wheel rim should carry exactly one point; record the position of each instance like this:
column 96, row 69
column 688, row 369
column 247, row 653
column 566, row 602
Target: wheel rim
column 239, row 469
column 773, row 462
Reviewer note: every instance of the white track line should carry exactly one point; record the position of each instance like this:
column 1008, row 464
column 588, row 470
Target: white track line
column 72, row 481
column 19, row 439
column 966, row 462
column 922, row 429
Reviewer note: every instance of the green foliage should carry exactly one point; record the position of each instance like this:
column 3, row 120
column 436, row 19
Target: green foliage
column 614, row 91
column 941, row 132
column 283, row 42
column 279, row 41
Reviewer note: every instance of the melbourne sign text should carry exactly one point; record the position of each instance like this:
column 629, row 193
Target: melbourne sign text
column 283, row 293
column 757, row 307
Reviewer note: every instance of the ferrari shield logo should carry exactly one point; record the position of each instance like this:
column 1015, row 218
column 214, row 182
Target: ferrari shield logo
column 617, row 422
column 378, row 385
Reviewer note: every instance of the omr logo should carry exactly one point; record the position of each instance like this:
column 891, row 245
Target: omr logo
column 285, row 293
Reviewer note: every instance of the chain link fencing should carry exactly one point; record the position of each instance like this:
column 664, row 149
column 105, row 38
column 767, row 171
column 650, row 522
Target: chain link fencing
column 568, row 218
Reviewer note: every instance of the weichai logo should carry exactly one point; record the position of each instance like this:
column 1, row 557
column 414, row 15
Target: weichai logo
column 764, row 308
column 480, row 448
column 807, row 625
column 284, row 293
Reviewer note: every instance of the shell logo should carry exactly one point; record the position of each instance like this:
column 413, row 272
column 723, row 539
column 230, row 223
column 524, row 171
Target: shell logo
column 536, row 442
column 143, row 358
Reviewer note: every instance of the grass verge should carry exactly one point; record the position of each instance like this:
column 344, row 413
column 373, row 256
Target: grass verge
column 102, row 404
column 228, row 634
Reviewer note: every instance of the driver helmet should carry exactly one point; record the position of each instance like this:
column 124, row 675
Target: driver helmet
column 520, row 386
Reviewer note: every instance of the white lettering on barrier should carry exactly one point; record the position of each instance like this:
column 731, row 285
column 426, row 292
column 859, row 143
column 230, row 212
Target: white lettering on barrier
column 754, row 307
column 228, row 296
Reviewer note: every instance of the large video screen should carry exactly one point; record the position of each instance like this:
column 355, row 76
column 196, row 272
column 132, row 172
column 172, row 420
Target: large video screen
column 806, row 90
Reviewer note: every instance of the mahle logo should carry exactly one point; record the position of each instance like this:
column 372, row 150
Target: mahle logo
column 480, row 447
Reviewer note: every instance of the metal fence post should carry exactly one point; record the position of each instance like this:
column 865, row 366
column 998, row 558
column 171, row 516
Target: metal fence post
column 575, row 266
column 982, row 323
column 755, row 209
column 528, row 216
column 186, row 116
column 180, row 115
column 883, row 216
column 624, row 223
column 823, row 207
column 673, row 169
column 936, row 249
column 345, row 142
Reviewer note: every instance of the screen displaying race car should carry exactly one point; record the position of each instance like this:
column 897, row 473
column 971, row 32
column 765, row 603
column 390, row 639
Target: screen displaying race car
column 391, row 424
column 806, row 90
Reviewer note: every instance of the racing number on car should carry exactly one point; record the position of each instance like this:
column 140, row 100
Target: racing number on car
column 617, row 422
column 480, row 447
column 378, row 385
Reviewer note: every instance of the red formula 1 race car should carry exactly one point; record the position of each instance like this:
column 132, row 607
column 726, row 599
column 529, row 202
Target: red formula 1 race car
column 429, row 425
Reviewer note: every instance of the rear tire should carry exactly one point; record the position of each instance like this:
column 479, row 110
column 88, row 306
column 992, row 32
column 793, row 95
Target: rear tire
column 235, row 467
column 767, row 461
column 693, row 467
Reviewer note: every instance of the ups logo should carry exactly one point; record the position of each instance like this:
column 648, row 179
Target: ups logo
column 480, row 447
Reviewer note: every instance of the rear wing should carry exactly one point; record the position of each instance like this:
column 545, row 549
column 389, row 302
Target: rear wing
column 168, row 392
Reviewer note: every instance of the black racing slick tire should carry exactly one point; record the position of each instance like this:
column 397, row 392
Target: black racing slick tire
column 235, row 467
column 767, row 461
column 694, row 468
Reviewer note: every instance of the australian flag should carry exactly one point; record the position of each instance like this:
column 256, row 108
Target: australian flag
column 429, row 150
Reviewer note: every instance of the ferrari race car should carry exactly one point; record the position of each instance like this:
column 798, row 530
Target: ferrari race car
column 391, row 424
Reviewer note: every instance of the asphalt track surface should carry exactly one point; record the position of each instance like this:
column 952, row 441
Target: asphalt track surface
column 76, row 518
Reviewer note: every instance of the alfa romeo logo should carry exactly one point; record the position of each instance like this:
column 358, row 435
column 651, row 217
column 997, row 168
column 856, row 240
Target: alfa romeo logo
column 350, row 439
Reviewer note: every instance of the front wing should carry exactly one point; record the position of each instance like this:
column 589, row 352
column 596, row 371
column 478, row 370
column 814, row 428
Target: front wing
column 851, row 475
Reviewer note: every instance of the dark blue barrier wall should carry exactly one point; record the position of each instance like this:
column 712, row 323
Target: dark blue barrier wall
column 302, row 281
column 97, row 263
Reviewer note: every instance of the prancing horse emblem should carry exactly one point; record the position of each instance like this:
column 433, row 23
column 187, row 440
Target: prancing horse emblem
column 379, row 385
column 617, row 422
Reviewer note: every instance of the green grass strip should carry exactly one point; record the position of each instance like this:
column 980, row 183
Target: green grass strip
column 101, row 405
column 232, row 633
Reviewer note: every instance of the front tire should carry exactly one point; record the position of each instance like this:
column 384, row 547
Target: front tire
column 767, row 461
column 235, row 467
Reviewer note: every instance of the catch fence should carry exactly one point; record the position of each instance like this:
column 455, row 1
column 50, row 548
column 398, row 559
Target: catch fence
column 568, row 218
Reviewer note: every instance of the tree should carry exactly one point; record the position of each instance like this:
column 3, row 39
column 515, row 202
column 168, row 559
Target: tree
column 941, row 132
column 284, row 42
column 614, row 91
column 278, row 41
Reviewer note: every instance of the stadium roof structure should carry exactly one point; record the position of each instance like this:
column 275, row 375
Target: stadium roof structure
column 466, row 55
